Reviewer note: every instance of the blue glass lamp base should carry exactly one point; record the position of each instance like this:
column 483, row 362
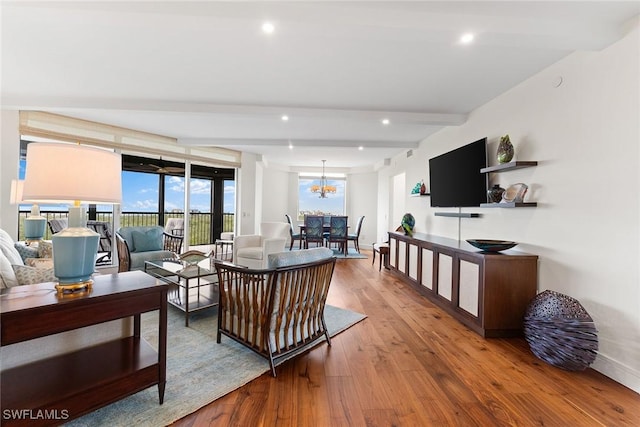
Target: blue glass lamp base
column 34, row 228
column 74, row 257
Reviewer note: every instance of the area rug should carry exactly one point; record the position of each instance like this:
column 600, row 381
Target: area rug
column 351, row 254
column 199, row 370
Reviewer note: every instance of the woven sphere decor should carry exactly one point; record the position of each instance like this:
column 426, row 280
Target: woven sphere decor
column 560, row 331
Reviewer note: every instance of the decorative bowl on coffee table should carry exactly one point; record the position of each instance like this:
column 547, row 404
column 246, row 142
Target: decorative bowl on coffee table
column 491, row 245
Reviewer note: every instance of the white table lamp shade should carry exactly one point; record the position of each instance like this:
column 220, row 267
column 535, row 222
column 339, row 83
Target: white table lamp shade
column 59, row 173
column 35, row 224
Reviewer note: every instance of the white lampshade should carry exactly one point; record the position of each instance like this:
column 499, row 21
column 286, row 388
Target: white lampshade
column 58, row 173
column 34, row 224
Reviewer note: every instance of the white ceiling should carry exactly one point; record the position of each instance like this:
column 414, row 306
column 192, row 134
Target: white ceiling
column 204, row 72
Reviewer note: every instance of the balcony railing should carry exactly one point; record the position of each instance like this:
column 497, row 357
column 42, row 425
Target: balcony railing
column 199, row 223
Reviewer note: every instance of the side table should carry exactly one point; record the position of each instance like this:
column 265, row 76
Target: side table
column 224, row 245
column 72, row 384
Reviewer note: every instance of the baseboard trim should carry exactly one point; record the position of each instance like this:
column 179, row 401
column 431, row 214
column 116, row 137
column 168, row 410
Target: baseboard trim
column 618, row 371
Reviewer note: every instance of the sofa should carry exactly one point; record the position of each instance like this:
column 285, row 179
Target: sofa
column 277, row 312
column 24, row 265
column 139, row 244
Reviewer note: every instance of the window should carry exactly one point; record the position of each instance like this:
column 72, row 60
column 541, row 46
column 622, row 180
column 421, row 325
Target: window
column 211, row 198
column 139, row 192
column 174, row 194
column 200, row 196
column 310, row 203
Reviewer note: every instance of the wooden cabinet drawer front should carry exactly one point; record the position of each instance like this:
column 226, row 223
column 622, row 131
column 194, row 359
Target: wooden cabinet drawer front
column 48, row 320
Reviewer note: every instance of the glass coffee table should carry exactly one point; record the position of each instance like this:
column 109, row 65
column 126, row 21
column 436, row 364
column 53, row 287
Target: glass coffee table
column 193, row 286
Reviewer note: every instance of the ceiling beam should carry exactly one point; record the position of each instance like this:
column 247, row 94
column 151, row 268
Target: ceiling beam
column 297, row 142
column 60, row 104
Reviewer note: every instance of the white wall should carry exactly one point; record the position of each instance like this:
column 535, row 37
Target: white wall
column 384, row 196
column 362, row 199
column 275, row 195
column 246, row 194
column 585, row 134
column 9, row 154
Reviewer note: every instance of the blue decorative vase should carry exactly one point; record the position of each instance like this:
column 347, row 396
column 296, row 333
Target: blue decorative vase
column 408, row 222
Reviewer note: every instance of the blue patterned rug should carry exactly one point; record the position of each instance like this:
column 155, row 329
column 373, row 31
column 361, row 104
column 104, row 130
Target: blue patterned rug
column 351, row 253
column 199, row 370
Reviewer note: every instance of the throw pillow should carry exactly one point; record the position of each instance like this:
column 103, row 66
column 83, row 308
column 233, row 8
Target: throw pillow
column 7, row 276
column 30, row 275
column 8, row 249
column 45, row 249
column 150, row 240
column 26, row 251
column 39, row 262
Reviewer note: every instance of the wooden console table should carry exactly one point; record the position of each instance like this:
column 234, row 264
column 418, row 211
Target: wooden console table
column 59, row 388
column 488, row 292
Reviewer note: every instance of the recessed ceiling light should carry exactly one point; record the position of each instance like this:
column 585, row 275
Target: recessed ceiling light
column 268, row 27
column 285, row 118
column 385, row 121
column 361, row 148
column 466, row 38
column 290, row 146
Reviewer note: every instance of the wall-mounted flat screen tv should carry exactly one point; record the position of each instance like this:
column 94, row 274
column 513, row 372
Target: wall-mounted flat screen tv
column 455, row 178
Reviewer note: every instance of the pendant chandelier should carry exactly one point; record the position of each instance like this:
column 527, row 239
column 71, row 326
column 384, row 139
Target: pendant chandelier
column 323, row 188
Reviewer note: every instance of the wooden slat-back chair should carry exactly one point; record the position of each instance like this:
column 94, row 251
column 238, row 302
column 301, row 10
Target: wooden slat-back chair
column 278, row 313
column 124, row 259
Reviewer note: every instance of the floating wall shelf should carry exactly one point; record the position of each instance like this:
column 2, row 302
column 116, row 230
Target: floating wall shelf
column 509, row 205
column 509, row 166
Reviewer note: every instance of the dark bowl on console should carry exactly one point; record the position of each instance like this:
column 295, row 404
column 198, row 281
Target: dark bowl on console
column 491, row 245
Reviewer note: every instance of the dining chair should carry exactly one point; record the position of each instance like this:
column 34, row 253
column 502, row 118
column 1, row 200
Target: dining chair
column 355, row 237
column 313, row 226
column 338, row 232
column 293, row 234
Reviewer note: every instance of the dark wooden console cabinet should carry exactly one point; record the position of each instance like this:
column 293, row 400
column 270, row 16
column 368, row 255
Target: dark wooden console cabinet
column 488, row 292
column 59, row 388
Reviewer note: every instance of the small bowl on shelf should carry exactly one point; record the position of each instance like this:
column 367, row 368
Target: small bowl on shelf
column 491, row 245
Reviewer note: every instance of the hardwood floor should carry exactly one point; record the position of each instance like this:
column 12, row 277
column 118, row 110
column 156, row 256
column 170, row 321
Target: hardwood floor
column 411, row 364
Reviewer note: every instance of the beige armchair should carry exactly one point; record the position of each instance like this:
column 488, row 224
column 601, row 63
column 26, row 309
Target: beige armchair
column 252, row 250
